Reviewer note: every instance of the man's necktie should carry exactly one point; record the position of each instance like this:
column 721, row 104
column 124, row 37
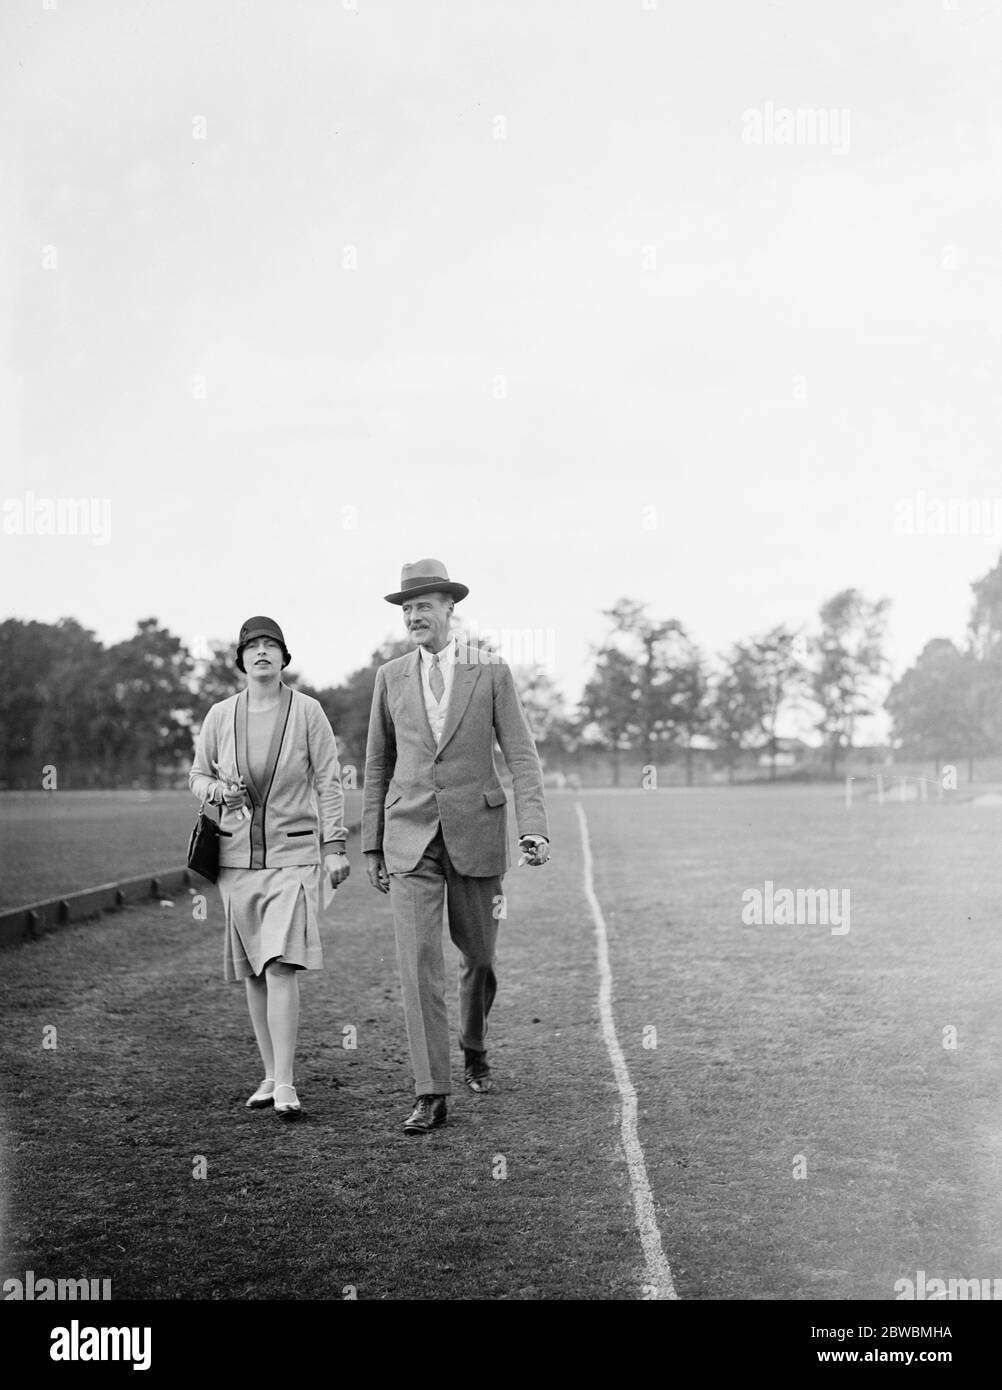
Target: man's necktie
column 436, row 680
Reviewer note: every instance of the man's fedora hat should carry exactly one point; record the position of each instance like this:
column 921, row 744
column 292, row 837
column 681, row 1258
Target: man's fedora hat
column 260, row 627
column 426, row 577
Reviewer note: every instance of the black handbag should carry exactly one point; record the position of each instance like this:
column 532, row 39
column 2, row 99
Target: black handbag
column 203, row 847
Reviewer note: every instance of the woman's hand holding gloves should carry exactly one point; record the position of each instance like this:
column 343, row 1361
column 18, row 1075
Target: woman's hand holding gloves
column 234, row 792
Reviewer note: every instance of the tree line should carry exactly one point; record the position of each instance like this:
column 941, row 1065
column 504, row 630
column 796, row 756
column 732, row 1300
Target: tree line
column 653, row 693
column 126, row 714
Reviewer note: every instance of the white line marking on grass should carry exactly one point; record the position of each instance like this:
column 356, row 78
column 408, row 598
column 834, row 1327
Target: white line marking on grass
column 659, row 1281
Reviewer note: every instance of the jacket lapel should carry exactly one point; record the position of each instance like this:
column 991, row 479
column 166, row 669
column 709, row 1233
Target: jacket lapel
column 277, row 737
column 415, row 698
column 243, row 763
column 464, row 678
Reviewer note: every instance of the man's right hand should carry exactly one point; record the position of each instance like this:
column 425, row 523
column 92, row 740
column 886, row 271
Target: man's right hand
column 375, row 867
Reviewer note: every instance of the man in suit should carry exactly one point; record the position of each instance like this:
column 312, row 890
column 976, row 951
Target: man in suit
column 434, row 824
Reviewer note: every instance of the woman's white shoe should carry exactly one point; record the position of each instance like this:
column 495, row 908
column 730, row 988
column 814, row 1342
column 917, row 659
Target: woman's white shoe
column 264, row 1095
column 287, row 1109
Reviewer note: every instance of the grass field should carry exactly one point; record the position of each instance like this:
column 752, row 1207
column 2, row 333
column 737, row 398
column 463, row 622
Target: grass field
column 59, row 842
column 778, row 1049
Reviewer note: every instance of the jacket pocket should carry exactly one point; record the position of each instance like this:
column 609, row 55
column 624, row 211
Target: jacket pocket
column 227, row 833
column 495, row 796
column 392, row 800
column 292, row 834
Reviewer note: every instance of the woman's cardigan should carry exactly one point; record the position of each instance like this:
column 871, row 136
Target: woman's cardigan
column 298, row 807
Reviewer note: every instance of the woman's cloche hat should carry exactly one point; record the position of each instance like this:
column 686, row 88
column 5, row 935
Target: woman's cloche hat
column 426, row 577
column 261, row 627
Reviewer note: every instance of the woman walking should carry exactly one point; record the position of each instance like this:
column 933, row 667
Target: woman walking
column 268, row 757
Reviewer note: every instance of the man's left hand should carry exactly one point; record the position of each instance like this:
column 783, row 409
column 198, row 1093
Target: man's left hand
column 337, row 866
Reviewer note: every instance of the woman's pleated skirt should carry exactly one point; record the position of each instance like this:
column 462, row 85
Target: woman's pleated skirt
column 271, row 914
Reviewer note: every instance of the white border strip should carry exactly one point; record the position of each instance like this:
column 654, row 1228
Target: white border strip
column 659, row 1280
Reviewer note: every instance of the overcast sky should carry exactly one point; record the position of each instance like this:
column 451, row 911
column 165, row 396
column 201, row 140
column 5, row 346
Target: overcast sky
column 297, row 292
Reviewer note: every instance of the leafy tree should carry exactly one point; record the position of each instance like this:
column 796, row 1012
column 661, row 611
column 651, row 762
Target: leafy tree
column 985, row 625
column 646, row 643
column 934, row 706
column 610, row 702
column 150, row 677
column 215, row 677
column 780, row 675
column 670, row 679
column 737, row 705
column 985, row 645
column 680, row 696
column 849, row 651
column 67, row 731
column 544, row 709
column 27, row 651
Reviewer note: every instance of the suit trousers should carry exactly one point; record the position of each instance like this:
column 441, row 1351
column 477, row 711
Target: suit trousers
column 417, row 899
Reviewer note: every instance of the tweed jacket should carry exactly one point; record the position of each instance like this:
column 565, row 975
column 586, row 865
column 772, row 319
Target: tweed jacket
column 298, row 809
column 412, row 785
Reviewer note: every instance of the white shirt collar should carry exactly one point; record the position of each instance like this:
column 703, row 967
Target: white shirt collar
column 446, row 657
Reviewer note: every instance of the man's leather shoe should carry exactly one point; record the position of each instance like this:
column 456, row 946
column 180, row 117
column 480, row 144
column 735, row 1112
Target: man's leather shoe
column 429, row 1112
column 478, row 1073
